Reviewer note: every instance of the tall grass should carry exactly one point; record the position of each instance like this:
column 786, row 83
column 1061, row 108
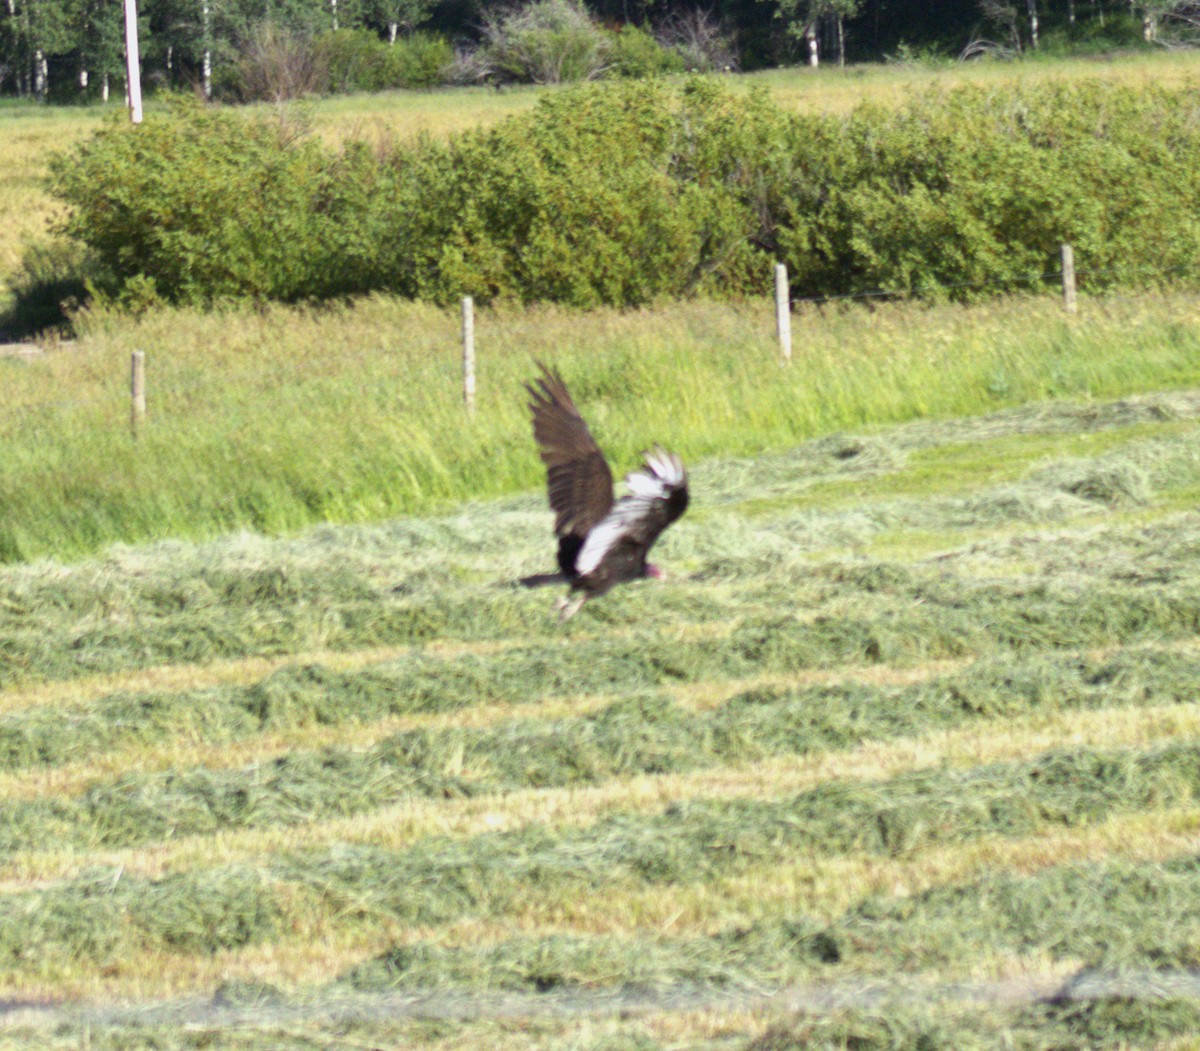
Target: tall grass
column 277, row 418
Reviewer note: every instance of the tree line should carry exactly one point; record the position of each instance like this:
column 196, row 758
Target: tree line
column 74, row 49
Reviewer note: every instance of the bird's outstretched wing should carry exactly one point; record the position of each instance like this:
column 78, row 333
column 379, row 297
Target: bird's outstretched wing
column 579, row 480
column 658, row 494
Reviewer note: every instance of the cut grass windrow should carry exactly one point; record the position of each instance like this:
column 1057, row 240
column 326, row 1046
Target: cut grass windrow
column 990, row 740
column 439, row 881
column 650, row 733
column 313, row 944
column 924, row 614
column 416, row 581
column 1121, row 913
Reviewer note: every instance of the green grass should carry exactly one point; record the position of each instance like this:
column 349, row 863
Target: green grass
column 904, row 746
column 355, row 764
column 277, row 419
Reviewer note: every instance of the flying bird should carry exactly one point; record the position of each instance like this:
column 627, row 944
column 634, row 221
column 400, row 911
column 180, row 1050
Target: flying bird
column 602, row 541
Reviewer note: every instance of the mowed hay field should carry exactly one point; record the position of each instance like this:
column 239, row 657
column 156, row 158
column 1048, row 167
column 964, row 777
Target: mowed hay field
column 905, row 744
column 905, row 752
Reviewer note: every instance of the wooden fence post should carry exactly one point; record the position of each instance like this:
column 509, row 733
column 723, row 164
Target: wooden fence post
column 468, row 337
column 1068, row 278
column 783, row 312
column 137, row 391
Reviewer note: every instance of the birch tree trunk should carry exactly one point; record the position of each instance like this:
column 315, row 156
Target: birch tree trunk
column 206, row 58
column 393, row 29
column 333, row 9
column 103, row 87
column 39, row 75
column 814, row 58
column 1033, row 23
column 841, row 39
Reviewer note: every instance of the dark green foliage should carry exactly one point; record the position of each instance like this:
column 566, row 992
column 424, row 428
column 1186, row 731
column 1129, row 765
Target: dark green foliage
column 635, row 53
column 205, row 204
column 629, row 192
column 50, row 283
column 357, row 60
column 606, row 195
column 973, row 191
column 543, row 42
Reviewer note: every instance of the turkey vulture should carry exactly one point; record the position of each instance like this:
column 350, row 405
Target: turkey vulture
column 601, row 541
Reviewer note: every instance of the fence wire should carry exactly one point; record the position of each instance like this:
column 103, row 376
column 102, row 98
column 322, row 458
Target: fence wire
column 113, row 396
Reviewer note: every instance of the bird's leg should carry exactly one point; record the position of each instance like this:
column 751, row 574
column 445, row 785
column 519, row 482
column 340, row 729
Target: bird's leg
column 567, row 607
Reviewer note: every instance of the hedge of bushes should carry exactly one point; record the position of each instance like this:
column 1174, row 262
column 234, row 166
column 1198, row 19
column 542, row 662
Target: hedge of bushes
column 626, row 192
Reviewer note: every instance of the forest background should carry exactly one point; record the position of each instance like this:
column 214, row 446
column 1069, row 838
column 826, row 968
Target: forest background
column 72, row 50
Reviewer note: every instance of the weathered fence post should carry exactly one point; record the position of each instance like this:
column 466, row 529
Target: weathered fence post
column 1068, row 278
column 137, row 391
column 468, row 337
column 783, row 312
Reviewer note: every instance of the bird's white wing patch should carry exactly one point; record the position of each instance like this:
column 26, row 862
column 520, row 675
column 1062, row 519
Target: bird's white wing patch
column 662, row 474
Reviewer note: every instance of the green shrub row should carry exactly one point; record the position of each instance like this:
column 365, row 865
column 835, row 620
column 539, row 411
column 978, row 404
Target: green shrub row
column 625, row 193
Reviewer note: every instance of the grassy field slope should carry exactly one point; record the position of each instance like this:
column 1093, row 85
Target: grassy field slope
column 278, row 418
column 916, row 708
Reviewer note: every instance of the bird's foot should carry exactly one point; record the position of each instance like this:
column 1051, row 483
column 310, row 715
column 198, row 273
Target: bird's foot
column 567, row 607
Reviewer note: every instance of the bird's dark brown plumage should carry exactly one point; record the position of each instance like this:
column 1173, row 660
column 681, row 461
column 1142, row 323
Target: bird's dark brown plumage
column 579, row 480
column 601, row 541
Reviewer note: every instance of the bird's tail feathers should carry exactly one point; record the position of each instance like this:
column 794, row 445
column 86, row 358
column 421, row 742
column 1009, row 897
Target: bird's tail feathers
column 541, row 580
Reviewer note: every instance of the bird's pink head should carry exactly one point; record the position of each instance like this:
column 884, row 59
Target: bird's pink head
column 654, row 572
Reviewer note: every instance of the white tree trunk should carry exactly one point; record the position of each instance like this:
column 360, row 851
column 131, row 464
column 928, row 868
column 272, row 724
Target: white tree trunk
column 1033, row 23
column 206, row 58
column 39, row 74
column 841, row 37
column 1070, row 12
column 393, row 29
column 133, row 64
column 333, row 8
column 1149, row 27
column 103, row 87
column 814, row 58
column 83, row 80
column 170, row 59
